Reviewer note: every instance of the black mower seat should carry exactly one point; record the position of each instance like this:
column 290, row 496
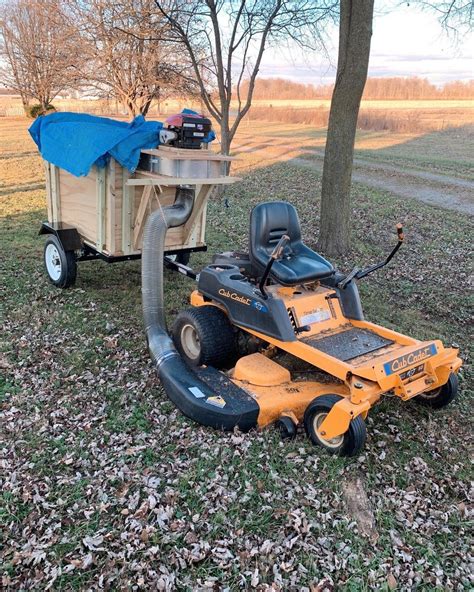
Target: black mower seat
column 269, row 221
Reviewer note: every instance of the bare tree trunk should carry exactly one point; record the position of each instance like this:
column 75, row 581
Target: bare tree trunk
column 25, row 102
column 355, row 31
column 226, row 138
column 131, row 108
column 145, row 107
column 225, row 145
column 226, row 141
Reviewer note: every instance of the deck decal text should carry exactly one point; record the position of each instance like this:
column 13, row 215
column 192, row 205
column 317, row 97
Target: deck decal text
column 402, row 362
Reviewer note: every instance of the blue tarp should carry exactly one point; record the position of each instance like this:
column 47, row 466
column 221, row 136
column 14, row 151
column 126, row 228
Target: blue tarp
column 76, row 141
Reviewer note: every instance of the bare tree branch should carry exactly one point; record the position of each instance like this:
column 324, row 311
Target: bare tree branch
column 230, row 37
column 128, row 55
column 40, row 52
column 455, row 16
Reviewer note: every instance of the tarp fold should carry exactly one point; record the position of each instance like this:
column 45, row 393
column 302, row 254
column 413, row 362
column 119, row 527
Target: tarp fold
column 76, row 141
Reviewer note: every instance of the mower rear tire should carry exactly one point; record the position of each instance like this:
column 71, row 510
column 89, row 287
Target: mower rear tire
column 348, row 444
column 203, row 335
column 60, row 264
column 442, row 396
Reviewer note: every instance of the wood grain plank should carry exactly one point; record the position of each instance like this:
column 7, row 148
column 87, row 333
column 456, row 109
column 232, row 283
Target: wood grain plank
column 79, row 203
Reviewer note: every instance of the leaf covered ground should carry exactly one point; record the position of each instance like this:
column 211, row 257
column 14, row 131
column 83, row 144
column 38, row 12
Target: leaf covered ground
column 104, row 485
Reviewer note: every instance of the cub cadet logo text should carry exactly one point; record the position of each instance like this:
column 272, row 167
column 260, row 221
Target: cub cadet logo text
column 234, row 296
column 409, row 359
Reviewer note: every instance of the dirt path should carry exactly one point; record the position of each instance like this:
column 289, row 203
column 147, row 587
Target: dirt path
column 443, row 191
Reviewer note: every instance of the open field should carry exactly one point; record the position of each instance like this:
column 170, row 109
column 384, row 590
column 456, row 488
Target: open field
column 409, row 115
column 104, row 485
column 372, row 104
column 395, row 116
column 65, row 104
column 12, row 107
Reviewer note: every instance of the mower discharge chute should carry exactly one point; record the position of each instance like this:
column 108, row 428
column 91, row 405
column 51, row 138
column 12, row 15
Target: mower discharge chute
column 278, row 336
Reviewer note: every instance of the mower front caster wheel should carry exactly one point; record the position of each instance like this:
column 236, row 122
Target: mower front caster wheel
column 204, row 336
column 60, row 265
column 442, row 396
column 348, row 444
column 287, row 428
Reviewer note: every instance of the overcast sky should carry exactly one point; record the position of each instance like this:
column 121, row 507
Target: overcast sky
column 405, row 42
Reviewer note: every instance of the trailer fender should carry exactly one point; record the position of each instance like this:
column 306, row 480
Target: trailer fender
column 67, row 235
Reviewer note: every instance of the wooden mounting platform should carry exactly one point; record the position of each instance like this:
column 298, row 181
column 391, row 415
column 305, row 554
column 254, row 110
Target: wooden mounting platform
column 182, row 154
column 144, row 178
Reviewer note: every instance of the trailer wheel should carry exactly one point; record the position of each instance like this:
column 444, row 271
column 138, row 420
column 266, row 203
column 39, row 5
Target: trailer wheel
column 442, row 396
column 204, row 336
column 348, row 444
column 60, row 265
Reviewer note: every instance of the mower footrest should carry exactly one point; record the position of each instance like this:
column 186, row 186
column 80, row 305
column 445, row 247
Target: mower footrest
column 349, row 344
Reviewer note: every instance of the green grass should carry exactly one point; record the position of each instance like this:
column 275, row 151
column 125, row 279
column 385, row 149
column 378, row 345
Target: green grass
column 447, row 152
column 90, row 436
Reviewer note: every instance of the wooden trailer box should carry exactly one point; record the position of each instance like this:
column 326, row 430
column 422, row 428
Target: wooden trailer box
column 110, row 206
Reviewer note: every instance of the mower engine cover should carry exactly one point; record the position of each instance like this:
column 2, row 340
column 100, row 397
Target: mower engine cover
column 191, row 130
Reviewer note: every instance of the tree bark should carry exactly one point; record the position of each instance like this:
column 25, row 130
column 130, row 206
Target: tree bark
column 131, row 108
column 226, row 141
column 355, row 31
column 25, row 101
column 226, row 138
column 146, row 107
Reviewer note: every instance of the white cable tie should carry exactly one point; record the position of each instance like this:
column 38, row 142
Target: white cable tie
column 161, row 207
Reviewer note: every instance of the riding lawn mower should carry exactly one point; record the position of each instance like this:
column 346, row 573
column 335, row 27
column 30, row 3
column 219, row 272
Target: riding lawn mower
column 277, row 336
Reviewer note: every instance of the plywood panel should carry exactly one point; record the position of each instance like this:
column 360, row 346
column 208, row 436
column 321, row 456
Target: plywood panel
column 78, row 196
column 102, row 210
column 128, row 194
column 114, row 195
column 143, row 212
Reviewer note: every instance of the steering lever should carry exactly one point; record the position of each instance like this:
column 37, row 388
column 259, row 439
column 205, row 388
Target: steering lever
column 275, row 255
column 358, row 274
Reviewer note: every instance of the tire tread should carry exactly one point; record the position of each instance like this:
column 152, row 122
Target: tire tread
column 447, row 394
column 218, row 343
column 69, row 264
column 354, row 438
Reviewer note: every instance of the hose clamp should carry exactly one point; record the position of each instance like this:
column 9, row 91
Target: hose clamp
column 165, row 356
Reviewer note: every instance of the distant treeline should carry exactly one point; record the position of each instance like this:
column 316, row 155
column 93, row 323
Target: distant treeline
column 376, row 88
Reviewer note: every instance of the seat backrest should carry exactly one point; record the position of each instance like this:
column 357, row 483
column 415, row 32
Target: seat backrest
column 269, row 221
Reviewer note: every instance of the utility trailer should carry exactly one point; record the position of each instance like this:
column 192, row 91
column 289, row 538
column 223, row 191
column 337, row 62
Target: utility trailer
column 102, row 215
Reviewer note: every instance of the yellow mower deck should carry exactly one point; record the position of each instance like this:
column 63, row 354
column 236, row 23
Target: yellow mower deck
column 368, row 360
